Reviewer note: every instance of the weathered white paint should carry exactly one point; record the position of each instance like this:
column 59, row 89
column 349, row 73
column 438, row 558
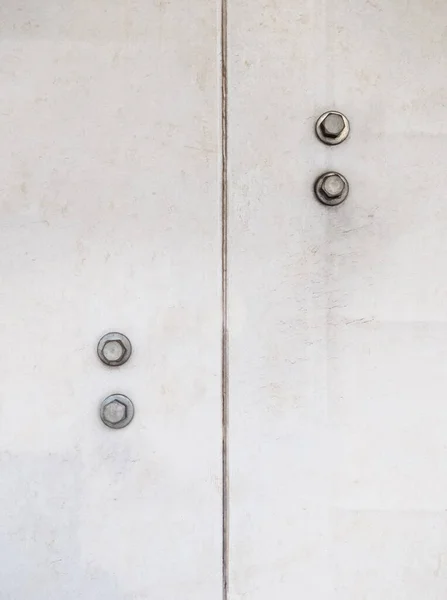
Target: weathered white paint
column 109, row 220
column 338, row 317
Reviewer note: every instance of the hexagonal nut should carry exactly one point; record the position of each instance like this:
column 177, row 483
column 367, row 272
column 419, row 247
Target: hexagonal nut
column 114, row 349
column 332, row 127
column 116, row 411
column 331, row 188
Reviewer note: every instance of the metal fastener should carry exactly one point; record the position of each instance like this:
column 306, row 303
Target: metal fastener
column 332, row 128
column 116, row 411
column 331, row 188
column 114, row 349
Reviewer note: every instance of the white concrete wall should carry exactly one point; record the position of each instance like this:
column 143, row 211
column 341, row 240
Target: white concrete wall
column 338, row 335
column 109, row 220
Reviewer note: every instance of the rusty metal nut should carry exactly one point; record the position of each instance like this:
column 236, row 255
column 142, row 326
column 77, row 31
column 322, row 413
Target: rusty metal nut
column 332, row 128
column 331, row 188
column 114, row 349
column 116, row 411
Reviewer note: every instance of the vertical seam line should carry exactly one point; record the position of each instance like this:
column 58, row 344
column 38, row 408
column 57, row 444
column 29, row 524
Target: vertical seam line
column 224, row 222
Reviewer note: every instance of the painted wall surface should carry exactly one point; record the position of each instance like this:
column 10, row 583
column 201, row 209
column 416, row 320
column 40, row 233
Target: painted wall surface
column 338, row 316
column 109, row 220
column 116, row 155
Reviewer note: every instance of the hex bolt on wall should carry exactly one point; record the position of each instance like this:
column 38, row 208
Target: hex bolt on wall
column 116, row 411
column 332, row 128
column 114, row 349
column 331, row 188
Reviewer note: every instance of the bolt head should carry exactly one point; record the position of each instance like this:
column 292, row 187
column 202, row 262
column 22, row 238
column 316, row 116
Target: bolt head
column 114, row 350
column 332, row 128
column 115, row 412
column 333, row 125
column 333, row 186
